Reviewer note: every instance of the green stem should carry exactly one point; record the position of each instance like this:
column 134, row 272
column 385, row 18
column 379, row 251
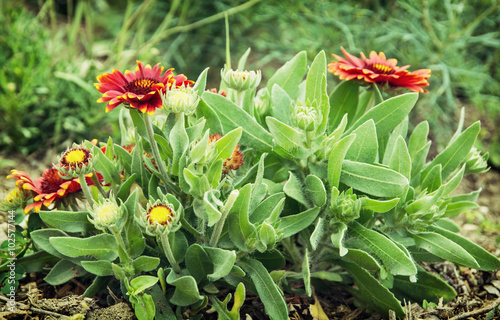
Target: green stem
column 156, row 152
column 125, row 260
column 85, row 189
column 168, row 252
column 98, row 184
column 220, row 224
column 228, row 50
column 378, row 94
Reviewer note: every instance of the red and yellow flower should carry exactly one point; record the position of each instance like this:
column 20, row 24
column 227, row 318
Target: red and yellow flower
column 380, row 70
column 49, row 188
column 140, row 89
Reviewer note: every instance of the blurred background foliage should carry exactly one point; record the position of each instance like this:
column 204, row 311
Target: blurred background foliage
column 52, row 50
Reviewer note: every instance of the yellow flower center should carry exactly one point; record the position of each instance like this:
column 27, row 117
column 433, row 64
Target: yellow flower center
column 106, row 213
column 75, row 156
column 141, row 86
column 160, row 214
column 382, row 68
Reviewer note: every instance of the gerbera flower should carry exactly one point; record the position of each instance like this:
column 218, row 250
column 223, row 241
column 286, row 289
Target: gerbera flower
column 377, row 69
column 140, row 89
column 49, row 188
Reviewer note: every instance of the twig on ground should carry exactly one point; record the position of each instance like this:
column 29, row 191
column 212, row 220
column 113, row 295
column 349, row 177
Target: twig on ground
column 61, row 316
column 478, row 311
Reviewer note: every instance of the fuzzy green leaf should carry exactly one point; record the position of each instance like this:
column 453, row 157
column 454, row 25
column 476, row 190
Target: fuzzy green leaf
column 68, row 221
column 290, row 75
column 102, row 246
column 343, row 100
column 365, row 147
column 336, row 159
column 292, row 224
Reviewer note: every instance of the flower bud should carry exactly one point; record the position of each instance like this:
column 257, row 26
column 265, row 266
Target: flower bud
column 266, row 237
column 14, row 200
column 75, row 161
column 307, row 117
column 475, row 162
column 160, row 217
column 182, row 99
column 345, row 206
column 241, row 80
column 262, row 102
column 105, row 214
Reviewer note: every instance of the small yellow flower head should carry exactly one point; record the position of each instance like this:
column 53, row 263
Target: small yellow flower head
column 159, row 217
column 241, row 80
column 306, row 117
column 105, row 214
column 182, row 99
column 76, row 160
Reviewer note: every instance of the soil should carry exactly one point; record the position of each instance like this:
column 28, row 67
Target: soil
column 478, row 292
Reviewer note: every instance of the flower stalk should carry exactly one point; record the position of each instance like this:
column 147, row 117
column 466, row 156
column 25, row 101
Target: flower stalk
column 168, row 252
column 220, row 224
column 85, row 189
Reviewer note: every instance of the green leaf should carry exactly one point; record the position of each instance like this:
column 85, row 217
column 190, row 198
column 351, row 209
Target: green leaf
column 138, row 168
column 293, row 224
column 318, row 233
column 343, row 100
column 418, row 160
column 271, row 259
column 432, row 181
column 294, row 188
column 388, row 114
column 225, row 146
column 124, row 156
column 372, row 292
column 62, row 272
column 337, row 237
column 362, row 259
column 179, row 141
column 429, row 287
column 374, row 180
column 102, row 246
column 366, row 100
column 315, row 190
column 124, row 190
column 418, row 138
column 365, row 147
column 68, row 221
column 141, row 283
column 456, row 152
column 395, row 260
column 290, row 75
column 306, row 273
column 239, row 224
column 281, row 102
column 336, row 159
column 41, row 239
column 198, row 263
column 265, row 209
column 221, row 306
column 145, row 264
column 164, row 145
column 486, row 260
column 455, row 208
column 314, row 87
column 267, row 290
column 378, row 205
column 232, row 117
column 186, row 290
column 201, row 82
column 400, row 160
column 139, row 124
column 99, row 268
column 105, row 166
column 444, row 248
column 287, row 138
column 243, row 60
column 212, row 119
column 222, row 260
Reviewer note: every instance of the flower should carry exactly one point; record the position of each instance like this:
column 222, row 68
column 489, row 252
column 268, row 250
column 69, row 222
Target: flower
column 49, row 188
column 241, row 80
column 160, row 217
column 182, row 99
column 105, row 213
column 377, row 69
column 76, row 160
column 232, row 163
column 140, row 89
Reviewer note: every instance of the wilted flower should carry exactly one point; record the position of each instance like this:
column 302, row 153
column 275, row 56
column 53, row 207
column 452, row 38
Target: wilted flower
column 233, row 163
column 140, row 89
column 76, row 160
column 182, row 99
column 377, row 69
column 307, row 117
column 241, row 80
column 105, row 213
column 49, row 188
